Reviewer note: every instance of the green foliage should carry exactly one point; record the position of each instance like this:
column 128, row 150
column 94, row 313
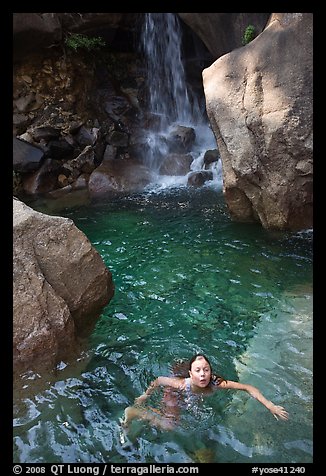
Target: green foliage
column 77, row 41
column 249, row 34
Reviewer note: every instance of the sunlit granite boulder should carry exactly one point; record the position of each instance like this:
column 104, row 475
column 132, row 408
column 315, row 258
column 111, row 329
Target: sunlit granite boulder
column 60, row 285
column 259, row 103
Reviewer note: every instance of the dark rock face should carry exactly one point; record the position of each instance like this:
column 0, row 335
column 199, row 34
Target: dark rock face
column 34, row 32
column 223, row 32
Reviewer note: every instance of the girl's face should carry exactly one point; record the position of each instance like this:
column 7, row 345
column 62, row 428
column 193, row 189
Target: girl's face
column 200, row 372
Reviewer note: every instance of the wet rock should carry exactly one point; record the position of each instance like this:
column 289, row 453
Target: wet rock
column 26, row 157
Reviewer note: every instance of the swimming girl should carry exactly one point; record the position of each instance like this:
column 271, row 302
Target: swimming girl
column 201, row 381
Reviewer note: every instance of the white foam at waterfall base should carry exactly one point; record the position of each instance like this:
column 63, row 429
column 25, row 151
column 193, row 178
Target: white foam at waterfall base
column 205, row 141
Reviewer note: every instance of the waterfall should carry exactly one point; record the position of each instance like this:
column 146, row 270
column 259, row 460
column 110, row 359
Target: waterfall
column 168, row 92
column 171, row 103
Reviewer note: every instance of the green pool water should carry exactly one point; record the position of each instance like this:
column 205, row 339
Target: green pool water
column 187, row 279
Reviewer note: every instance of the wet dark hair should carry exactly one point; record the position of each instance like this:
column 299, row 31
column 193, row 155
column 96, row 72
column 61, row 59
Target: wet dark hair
column 181, row 369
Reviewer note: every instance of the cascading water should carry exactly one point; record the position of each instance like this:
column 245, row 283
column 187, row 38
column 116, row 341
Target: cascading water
column 168, row 92
column 170, row 101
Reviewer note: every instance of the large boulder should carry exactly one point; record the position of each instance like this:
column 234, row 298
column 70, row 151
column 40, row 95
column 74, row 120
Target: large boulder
column 259, row 103
column 60, row 285
column 119, row 176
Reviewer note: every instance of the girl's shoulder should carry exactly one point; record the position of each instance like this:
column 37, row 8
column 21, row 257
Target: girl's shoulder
column 218, row 381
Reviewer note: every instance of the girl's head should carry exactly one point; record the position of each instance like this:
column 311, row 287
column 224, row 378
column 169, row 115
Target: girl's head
column 200, row 370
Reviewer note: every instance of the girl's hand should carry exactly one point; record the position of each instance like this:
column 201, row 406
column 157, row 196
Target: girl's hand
column 141, row 399
column 279, row 412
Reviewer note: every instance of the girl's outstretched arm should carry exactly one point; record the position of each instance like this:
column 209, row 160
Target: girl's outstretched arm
column 276, row 410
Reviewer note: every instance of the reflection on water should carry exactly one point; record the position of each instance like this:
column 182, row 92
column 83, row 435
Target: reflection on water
column 187, row 280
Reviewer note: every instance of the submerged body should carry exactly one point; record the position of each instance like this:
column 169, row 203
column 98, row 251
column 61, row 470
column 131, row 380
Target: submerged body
column 201, row 381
